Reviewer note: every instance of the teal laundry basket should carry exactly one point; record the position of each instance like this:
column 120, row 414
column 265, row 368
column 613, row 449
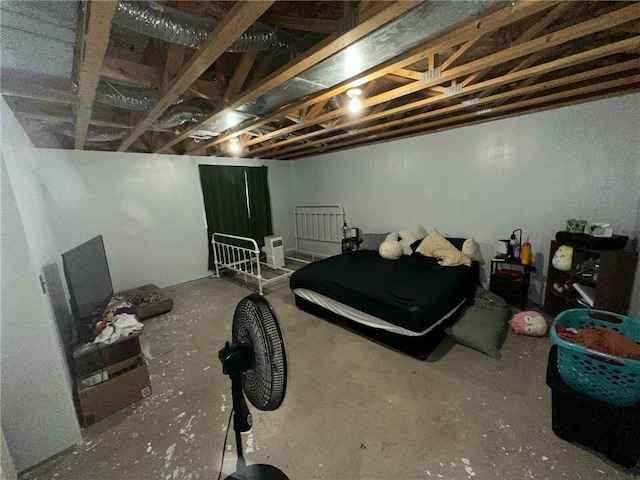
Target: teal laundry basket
column 605, row 377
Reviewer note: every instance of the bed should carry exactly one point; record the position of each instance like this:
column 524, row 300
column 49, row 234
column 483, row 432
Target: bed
column 241, row 255
column 318, row 234
column 405, row 304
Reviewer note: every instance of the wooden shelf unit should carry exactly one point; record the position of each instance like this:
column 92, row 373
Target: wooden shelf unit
column 613, row 284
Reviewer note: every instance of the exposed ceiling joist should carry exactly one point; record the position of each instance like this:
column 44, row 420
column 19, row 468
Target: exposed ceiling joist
column 319, row 25
column 429, row 51
column 93, row 46
column 517, row 51
column 578, row 95
column 239, row 18
column 393, row 126
column 285, row 80
column 240, row 75
column 376, row 16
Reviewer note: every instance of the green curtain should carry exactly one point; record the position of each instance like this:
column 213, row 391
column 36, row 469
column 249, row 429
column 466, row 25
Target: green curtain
column 226, row 191
column 259, row 204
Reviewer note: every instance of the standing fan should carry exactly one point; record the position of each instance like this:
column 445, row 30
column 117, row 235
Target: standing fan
column 257, row 365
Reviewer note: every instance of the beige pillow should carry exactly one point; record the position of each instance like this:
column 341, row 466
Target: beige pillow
column 435, row 245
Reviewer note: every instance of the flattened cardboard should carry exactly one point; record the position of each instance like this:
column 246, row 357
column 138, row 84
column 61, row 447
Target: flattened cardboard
column 108, row 397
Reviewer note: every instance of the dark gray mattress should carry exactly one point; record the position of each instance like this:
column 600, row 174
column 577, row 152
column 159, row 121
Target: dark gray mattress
column 413, row 292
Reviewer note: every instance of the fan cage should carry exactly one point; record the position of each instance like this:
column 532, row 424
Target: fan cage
column 255, row 324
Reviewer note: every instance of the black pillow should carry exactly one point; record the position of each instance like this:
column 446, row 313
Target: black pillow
column 457, row 242
column 416, row 244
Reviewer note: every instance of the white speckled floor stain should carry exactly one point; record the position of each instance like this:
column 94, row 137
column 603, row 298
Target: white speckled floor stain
column 353, row 409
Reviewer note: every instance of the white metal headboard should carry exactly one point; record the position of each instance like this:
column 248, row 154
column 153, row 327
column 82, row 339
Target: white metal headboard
column 318, row 223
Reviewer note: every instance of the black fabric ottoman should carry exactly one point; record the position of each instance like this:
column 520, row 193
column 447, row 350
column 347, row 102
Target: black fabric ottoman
column 149, row 300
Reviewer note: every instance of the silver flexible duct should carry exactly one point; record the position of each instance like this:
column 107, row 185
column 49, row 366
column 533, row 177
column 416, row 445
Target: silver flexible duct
column 179, row 114
column 131, row 98
column 94, row 133
column 174, row 26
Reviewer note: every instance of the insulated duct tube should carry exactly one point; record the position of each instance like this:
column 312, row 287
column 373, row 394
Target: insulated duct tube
column 94, row 133
column 179, row 114
column 131, row 98
column 174, row 26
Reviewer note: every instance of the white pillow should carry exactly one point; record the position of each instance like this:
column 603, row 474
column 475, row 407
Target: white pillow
column 472, row 250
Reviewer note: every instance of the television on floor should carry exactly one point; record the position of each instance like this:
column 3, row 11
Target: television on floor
column 89, row 282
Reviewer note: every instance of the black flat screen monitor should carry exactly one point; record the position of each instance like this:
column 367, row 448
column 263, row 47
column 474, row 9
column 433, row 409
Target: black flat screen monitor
column 87, row 273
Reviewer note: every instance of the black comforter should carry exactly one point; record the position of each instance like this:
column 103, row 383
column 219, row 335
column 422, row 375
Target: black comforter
column 413, row 292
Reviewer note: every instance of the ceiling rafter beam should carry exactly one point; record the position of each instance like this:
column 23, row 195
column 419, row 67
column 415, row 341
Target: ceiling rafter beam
column 576, row 78
column 510, row 77
column 449, row 62
column 557, row 38
column 317, row 25
column 94, row 42
column 38, row 92
column 532, row 32
column 521, row 107
column 448, row 40
column 173, row 63
column 316, row 109
column 239, row 76
column 146, row 76
column 377, row 16
column 240, row 17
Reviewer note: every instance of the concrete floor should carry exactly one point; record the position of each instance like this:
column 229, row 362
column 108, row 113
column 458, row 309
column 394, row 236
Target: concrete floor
column 353, row 409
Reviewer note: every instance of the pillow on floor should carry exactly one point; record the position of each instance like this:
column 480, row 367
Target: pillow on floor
column 483, row 326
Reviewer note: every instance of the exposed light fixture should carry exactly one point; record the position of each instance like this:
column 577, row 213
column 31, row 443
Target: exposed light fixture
column 234, row 145
column 354, row 103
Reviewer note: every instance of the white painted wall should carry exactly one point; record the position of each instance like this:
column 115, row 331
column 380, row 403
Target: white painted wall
column 531, row 172
column 37, row 412
column 148, row 208
column 38, row 417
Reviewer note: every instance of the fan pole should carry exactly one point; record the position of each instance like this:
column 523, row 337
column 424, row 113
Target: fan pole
column 241, row 418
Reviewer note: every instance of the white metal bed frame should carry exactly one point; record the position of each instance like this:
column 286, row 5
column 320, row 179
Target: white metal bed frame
column 312, row 223
column 243, row 258
column 317, row 223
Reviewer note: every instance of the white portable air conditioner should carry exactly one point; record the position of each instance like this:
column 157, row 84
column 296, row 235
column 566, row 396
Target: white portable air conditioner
column 274, row 249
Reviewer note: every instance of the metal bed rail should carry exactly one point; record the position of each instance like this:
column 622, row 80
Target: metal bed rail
column 318, row 223
column 242, row 255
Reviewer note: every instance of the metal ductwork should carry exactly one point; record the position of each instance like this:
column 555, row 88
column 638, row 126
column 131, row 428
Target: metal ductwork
column 94, row 133
column 119, row 95
column 183, row 113
column 174, row 26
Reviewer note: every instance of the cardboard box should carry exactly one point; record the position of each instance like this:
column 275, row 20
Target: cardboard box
column 107, row 397
column 90, row 359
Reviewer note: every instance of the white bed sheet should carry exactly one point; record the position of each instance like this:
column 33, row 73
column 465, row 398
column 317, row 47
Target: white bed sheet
column 364, row 318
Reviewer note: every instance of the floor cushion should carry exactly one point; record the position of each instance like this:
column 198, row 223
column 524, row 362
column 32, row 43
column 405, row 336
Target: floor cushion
column 149, row 300
column 483, row 325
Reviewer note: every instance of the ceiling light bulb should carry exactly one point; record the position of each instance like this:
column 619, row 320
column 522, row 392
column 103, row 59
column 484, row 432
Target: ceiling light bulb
column 234, row 145
column 354, row 105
